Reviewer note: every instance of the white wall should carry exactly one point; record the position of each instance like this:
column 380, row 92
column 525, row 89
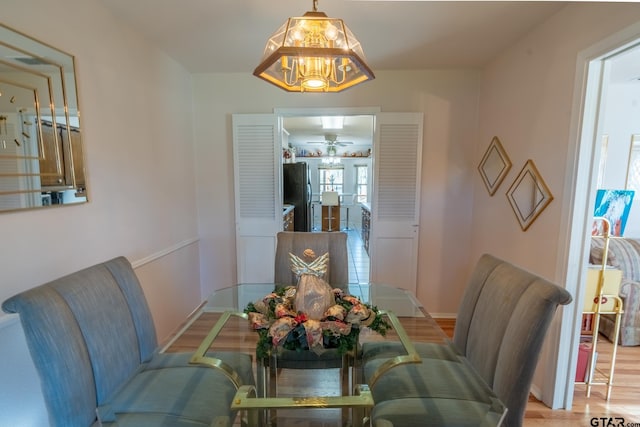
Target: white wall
column 136, row 119
column 621, row 121
column 526, row 100
column 449, row 100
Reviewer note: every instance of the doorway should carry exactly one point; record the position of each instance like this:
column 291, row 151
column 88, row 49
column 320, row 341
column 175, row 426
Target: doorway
column 337, row 150
column 607, row 66
column 395, row 207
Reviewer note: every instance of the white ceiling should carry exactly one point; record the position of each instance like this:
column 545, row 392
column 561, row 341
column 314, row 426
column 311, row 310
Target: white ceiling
column 208, row 36
column 230, row 35
column 307, row 132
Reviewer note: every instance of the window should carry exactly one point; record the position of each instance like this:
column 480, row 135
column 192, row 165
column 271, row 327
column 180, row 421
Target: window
column 331, row 178
column 604, row 147
column 633, row 170
column 362, row 188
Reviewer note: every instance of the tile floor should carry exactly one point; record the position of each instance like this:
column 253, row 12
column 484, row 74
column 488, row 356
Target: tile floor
column 358, row 257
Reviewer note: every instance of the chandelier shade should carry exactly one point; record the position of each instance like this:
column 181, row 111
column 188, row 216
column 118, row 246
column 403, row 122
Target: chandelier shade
column 313, row 53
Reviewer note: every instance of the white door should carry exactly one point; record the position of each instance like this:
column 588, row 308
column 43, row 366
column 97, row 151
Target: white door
column 258, row 201
column 397, row 154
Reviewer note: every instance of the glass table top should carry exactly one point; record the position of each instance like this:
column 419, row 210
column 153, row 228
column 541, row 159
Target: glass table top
column 401, row 302
column 222, row 314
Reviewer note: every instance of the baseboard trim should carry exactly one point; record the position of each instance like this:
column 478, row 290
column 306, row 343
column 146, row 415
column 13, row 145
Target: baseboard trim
column 536, row 392
column 164, row 252
column 443, row 315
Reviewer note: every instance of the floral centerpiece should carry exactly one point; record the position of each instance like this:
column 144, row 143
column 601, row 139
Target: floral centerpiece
column 311, row 316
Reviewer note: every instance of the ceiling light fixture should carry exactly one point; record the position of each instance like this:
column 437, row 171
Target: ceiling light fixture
column 313, row 53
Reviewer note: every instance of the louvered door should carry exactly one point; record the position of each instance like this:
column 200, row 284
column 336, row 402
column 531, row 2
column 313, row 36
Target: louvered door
column 396, row 202
column 256, row 157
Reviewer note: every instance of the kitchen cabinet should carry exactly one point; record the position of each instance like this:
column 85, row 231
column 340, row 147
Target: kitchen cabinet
column 288, row 217
column 331, row 218
column 61, row 151
column 366, row 225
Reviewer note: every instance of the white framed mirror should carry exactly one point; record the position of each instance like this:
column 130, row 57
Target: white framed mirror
column 41, row 155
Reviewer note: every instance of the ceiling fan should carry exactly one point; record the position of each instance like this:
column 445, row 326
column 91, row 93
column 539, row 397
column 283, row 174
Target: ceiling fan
column 331, row 139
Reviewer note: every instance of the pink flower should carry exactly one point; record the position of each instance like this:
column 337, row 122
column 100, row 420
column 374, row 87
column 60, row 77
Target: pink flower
column 269, row 297
column 337, row 327
column 358, row 313
column 351, row 299
column 283, row 310
column 280, row 329
column 313, row 331
column 336, row 311
column 258, row 320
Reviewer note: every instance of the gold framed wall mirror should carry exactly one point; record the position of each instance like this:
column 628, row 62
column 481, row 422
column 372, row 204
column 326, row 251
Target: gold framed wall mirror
column 41, row 155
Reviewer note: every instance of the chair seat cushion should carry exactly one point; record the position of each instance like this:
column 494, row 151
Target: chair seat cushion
column 155, row 420
column 421, row 412
column 169, row 390
column 241, row 363
column 387, row 349
column 433, row 378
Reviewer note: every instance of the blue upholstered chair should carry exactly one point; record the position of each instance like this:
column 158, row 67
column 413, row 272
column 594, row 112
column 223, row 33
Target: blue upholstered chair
column 337, row 275
column 501, row 325
column 93, row 342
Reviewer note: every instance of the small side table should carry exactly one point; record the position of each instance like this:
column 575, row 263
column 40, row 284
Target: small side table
column 601, row 297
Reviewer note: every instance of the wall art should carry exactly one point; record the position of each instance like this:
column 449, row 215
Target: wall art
column 494, row 166
column 528, row 195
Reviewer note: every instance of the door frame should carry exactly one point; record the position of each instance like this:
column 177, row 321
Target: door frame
column 583, row 155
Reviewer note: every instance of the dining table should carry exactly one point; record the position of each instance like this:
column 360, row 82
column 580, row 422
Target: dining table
column 308, row 397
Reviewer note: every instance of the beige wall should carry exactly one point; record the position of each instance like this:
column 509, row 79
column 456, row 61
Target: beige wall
column 527, row 99
column 448, row 98
column 136, row 120
column 137, row 107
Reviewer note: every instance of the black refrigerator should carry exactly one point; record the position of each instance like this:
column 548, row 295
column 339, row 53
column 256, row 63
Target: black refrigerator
column 296, row 190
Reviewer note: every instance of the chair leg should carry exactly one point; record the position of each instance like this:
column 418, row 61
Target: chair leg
column 345, row 385
column 346, row 225
column 273, row 392
column 262, row 378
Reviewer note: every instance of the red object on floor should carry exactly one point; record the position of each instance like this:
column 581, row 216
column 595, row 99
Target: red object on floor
column 584, row 350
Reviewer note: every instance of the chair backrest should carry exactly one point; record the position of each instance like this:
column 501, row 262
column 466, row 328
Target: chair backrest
column 295, row 242
column 87, row 333
column 501, row 325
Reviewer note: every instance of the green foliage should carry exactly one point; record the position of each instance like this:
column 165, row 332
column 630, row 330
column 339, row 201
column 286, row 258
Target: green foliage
column 263, row 348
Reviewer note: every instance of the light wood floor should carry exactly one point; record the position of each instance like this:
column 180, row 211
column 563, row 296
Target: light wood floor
column 625, row 396
column 624, row 402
